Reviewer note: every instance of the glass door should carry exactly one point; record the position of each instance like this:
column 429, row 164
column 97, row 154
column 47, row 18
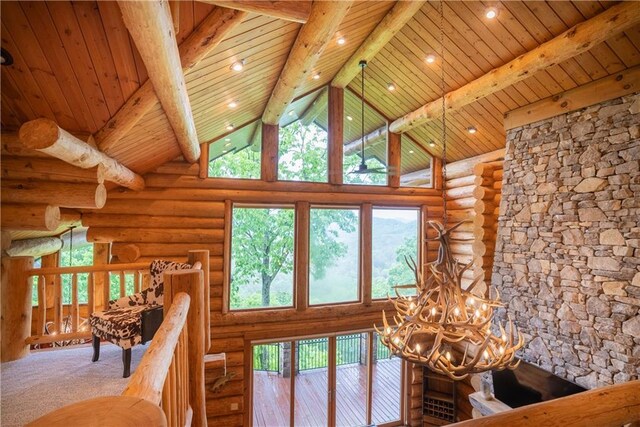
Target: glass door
column 311, row 408
column 351, row 379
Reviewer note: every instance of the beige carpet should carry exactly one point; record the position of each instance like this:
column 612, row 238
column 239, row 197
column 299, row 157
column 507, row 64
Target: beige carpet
column 50, row 379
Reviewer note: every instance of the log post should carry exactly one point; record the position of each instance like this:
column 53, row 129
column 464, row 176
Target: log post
column 101, row 256
column 191, row 282
column 336, row 135
column 30, row 217
column 202, row 256
column 16, row 307
column 269, row 154
column 394, row 160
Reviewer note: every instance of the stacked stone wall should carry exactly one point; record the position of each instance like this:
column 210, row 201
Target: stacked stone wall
column 567, row 259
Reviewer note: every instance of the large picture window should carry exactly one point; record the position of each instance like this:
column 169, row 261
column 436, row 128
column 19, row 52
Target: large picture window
column 262, row 246
column 334, row 254
column 394, row 240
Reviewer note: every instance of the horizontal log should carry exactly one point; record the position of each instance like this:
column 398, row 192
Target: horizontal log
column 296, row 11
column 48, row 339
column 149, row 221
column 134, row 235
column 462, row 248
column 247, row 196
column 460, row 192
column 45, row 169
column 196, row 209
column 465, row 167
column 30, row 217
column 166, row 182
column 161, row 250
column 467, row 202
column 497, row 185
column 484, row 169
column 484, row 193
column 63, row 194
column 45, row 135
column 463, row 181
column 484, row 220
column 484, row 206
column 37, row 247
column 126, row 253
column 178, row 168
column 70, row 217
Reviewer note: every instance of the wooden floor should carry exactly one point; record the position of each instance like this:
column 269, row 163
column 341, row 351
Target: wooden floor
column 271, row 396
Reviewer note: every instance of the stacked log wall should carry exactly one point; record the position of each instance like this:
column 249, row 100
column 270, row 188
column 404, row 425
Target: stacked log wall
column 178, row 212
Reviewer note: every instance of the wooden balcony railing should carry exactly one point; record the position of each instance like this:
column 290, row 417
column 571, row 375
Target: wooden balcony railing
column 163, row 374
column 611, row 406
column 60, row 328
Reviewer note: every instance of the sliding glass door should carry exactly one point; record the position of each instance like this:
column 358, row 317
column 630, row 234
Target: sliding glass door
column 340, row 380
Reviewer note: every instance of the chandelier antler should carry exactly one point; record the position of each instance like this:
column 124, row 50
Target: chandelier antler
column 445, row 327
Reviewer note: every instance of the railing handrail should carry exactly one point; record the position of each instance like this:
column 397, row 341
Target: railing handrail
column 87, row 269
column 609, row 406
column 148, row 379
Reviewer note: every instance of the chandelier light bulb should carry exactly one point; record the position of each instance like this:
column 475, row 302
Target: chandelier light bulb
column 477, row 313
column 433, row 311
column 456, row 311
column 501, row 350
column 471, row 301
column 418, row 348
column 486, row 355
column 448, row 356
column 484, row 306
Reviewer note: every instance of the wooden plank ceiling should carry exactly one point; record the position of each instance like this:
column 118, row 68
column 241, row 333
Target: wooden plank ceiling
column 76, row 64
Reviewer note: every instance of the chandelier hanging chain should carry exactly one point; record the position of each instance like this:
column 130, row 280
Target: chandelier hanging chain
column 446, row 327
column 444, row 120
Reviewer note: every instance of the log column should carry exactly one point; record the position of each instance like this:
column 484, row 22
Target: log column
column 394, row 159
column 202, row 256
column 269, row 153
column 336, row 135
column 191, row 282
column 16, row 307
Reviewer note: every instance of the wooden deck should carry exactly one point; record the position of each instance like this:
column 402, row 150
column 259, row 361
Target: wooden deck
column 271, row 396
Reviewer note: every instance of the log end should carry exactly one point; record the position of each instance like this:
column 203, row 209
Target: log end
column 52, row 217
column 100, row 196
column 39, row 133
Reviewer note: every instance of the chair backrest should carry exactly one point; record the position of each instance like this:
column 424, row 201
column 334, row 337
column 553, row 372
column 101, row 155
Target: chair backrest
column 154, row 293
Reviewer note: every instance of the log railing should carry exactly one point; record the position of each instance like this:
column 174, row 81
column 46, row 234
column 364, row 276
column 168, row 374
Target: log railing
column 611, row 406
column 163, row 374
column 98, row 297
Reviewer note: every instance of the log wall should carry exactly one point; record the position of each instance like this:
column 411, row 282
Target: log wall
column 178, row 211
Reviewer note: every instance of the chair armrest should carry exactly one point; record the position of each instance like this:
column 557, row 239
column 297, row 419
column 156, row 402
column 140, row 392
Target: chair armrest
column 127, row 301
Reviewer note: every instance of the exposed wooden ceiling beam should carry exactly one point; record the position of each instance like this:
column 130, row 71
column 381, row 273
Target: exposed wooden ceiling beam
column 317, row 106
column 604, row 89
column 151, row 28
column 213, row 29
column 37, row 247
column 44, row 135
column 296, row 11
column 393, row 21
column 377, row 136
column 572, row 42
column 324, row 20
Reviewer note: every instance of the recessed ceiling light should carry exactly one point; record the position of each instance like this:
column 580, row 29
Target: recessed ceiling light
column 472, row 130
column 341, row 41
column 230, row 126
column 232, row 104
column 349, row 118
column 391, row 87
column 227, row 139
column 491, row 13
column 432, row 144
column 238, row 65
column 224, row 151
column 227, row 144
column 5, row 57
column 431, row 58
column 316, row 76
column 410, row 151
column 292, row 112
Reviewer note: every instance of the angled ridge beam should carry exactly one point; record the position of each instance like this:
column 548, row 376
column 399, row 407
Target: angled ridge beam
column 295, row 11
column 324, row 20
column 393, row 22
column 576, row 40
column 213, row 29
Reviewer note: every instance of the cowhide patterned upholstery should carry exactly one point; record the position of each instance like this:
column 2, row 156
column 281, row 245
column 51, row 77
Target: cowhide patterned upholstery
column 121, row 324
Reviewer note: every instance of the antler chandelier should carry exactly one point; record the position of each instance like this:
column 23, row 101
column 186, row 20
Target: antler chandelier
column 432, row 328
column 444, row 327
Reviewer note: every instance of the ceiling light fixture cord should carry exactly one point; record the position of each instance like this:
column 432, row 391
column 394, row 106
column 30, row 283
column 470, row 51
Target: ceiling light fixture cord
column 362, row 65
column 444, row 119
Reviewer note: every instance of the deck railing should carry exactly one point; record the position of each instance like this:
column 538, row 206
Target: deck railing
column 162, row 377
column 56, row 325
